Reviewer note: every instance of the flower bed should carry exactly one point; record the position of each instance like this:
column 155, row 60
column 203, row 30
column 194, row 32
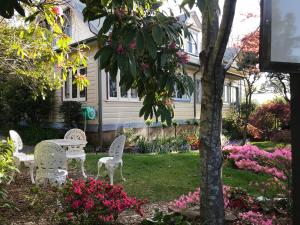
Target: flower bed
column 96, row 202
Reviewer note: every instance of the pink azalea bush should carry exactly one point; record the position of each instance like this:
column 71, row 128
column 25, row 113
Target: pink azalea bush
column 246, row 208
column 249, row 157
column 96, row 202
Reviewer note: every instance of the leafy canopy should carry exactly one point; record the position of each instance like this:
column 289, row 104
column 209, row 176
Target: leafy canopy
column 143, row 45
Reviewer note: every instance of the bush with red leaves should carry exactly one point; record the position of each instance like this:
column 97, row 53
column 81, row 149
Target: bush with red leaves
column 269, row 118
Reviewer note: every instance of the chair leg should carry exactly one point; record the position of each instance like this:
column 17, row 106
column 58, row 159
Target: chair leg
column 31, row 167
column 82, row 167
column 111, row 174
column 121, row 170
column 99, row 167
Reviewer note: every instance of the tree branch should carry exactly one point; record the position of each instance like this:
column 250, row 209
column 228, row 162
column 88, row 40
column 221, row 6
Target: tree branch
column 224, row 31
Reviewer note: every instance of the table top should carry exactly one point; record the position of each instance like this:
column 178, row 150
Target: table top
column 68, row 142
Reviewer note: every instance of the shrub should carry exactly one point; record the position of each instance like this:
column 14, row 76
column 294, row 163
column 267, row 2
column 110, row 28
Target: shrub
column 271, row 117
column 96, row 202
column 281, row 136
column 6, row 170
column 162, row 145
column 72, row 115
column 231, row 125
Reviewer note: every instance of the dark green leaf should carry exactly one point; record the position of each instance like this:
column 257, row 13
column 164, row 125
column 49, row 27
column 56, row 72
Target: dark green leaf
column 150, row 45
column 163, row 59
column 140, row 43
column 106, row 24
column 157, row 34
column 106, row 54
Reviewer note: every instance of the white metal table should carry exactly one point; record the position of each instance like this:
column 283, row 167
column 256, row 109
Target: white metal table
column 66, row 143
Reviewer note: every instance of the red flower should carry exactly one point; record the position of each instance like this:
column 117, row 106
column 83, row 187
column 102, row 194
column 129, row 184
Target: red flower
column 132, row 45
column 69, row 215
column 183, row 57
column 57, row 10
column 76, row 204
column 120, row 49
column 172, row 45
column 145, row 66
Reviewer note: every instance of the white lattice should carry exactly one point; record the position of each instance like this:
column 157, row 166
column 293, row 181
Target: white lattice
column 76, row 152
column 50, row 158
column 115, row 158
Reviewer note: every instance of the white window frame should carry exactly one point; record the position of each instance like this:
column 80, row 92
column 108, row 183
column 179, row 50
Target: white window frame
column 234, row 94
column 226, row 94
column 78, row 98
column 194, row 42
column 184, row 98
column 67, row 22
column 129, row 98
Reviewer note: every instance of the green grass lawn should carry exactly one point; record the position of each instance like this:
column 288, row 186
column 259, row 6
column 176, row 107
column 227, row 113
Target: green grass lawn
column 164, row 177
column 268, row 145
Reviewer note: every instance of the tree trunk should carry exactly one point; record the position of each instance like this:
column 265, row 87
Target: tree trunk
column 214, row 42
column 212, row 203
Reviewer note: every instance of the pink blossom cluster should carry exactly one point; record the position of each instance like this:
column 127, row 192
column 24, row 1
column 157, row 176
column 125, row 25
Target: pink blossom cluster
column 193, row 198
column 254, row 218
column 98, row 200
column 250, row 157
column 183, row 57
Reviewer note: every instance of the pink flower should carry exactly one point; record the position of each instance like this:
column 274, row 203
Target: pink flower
column 89, row 204
column 183, row 57
column 132, row 45
column 69, row 215
column 120, row 49
column 172, row 45
column 57, row 10
column 145, row 66
column 76, row 204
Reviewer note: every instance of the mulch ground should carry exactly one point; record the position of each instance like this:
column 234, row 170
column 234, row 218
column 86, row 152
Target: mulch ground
column 40, row 205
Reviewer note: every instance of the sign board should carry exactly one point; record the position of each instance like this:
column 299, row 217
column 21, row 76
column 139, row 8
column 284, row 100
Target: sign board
column 280, row 36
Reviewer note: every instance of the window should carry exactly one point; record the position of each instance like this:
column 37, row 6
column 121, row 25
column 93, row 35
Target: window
column 178, row 95
column 234, row 95
column 71, row 91
column 226, row 94
column 198, row 90
column 192, row 43
column 116, row 92
column 67, row 28
column 231, row 94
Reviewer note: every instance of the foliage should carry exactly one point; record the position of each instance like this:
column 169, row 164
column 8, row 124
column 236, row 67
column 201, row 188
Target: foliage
column 71, row 111
column 278, row 83
column 145, row 45
column 162, row 145
column 281, row 136
column 96, row 202
column 271, row 117
column 231, row 125
column 21, row 103
column 37, row 47
column 194, row 141
column 6, row 170
column 131, row 136
column 160, row 218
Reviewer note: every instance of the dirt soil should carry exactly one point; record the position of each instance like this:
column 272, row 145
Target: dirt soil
column 39, row 206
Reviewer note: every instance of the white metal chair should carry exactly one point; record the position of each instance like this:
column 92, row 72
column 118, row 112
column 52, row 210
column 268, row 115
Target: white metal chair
column 76, row 153
column 115, row 158
column 50, row 158
column 28, row 160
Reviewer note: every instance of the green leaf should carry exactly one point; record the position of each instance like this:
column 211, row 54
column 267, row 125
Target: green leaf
column 140, row 43
column 130, row 35
column 151, row 46
column 132, row 65
column 108, row 22
column 105, row 57
column 163, row 59
column 157, row 34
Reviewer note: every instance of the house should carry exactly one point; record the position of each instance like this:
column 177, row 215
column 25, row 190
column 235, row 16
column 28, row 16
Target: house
column 116, row 108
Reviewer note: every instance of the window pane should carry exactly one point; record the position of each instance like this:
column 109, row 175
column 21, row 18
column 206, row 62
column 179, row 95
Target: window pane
column 74, row 88
column 124, row 92
column 112, row 88
column 82, row 93
column 233, row 94
column 67, row 23
column 67, row 85
column 225, row 94
column 134, row 93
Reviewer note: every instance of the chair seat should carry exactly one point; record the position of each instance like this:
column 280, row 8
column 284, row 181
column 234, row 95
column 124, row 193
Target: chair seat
column 104, row 160
column 24, row 158
column 75, row 154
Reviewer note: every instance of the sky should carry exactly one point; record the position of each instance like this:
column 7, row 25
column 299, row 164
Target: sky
column 240, row 26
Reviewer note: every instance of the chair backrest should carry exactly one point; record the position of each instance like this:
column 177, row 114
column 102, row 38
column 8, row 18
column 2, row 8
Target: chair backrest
column 116, row 148
column 49, row 156
column 15, row 137
column 75, row 134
